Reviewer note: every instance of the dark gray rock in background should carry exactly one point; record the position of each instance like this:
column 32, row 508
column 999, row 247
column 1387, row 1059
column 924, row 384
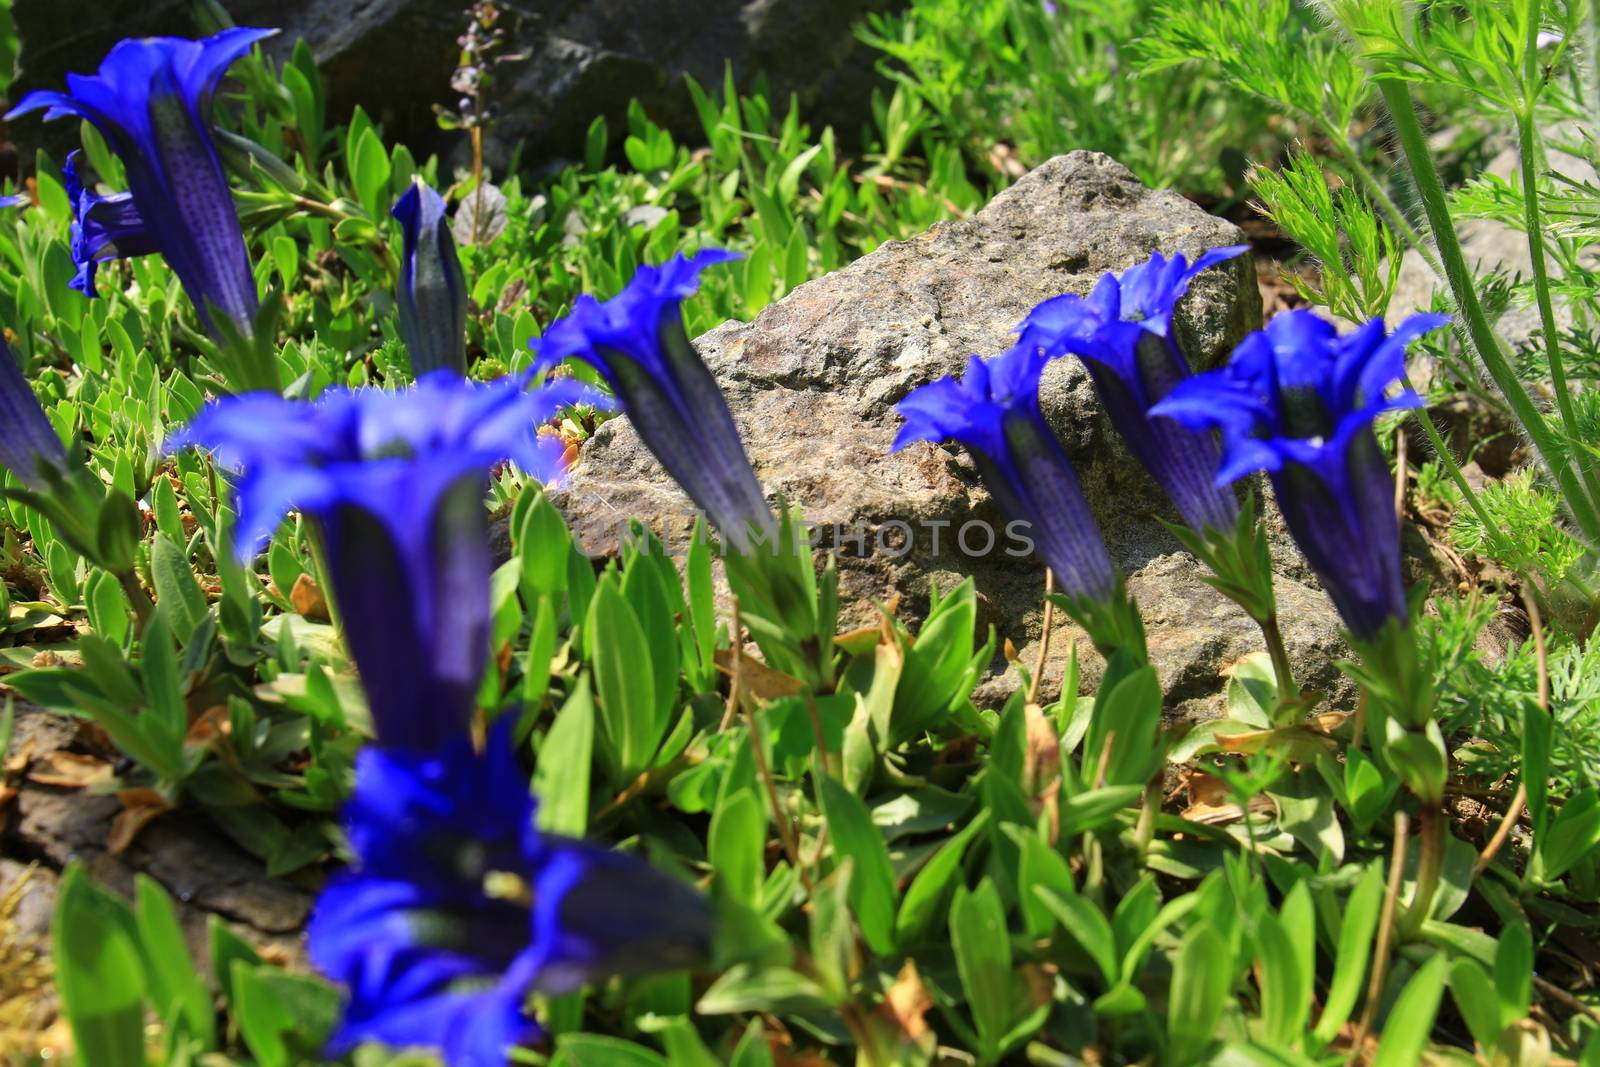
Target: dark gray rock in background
column 585, row 58
column 814, row 378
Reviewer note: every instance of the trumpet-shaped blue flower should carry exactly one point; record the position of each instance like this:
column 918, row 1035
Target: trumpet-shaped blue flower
column 433, row 291
column 638, row 344
column 395, row 483
column 28, row 443
column 1297, row 401
column 151, row 99
column 458, row 908
column 994, row 412
column 1123, row 333
column 103, row 227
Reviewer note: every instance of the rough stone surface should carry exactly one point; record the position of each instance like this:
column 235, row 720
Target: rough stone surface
column 813, row 381
column 205, row 873
column 583, row 57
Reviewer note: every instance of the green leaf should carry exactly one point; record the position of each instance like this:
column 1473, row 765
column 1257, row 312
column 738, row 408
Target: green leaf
column 623, row 679
column 702, row 607
column 1405, row 1032
column 1087, row 925
column 281, row 1016
column 1092, row 808
column 369, row 172
column 753, row 1050
column 1356, row 933
column 1536, row 764
column 833, row 940
column 1128, row 716
column 1285, row 984
column 1201, row 987
column 872, row 889
column 643, row 584
column 736, row 842
column 1476, row 1002
column 928, row 889
column 561, row 777
column 165, row 720
column 226, row 948
column 543, row 544
column 1041, row 866
column 1513, row 973
column 170, row 974
column 595, row 1050
column 177, row 592
column 684, row 1046
column 742, row 989
column 982, row 947
column 935, row 666
column 1573, row 834
column 594, row 145
column 98, row 972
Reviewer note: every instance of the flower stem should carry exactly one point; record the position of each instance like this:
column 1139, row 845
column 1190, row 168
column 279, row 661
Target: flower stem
column 1282, row 670
column 138, row 599
column 319, row 560
column 1430, row 862
column 1398, row 96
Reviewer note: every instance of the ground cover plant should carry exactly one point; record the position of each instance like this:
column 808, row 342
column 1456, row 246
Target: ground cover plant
column 269, row 383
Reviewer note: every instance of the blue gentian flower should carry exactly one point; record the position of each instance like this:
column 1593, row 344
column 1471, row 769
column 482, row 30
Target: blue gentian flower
column 151, row 99
column 395, row 483
column 1297, row 400
column 638, row 344
column 103, row 227
column 1123, row 332
column 994, row 412
column 28, row 443
column 433, row 291
column 458, row 908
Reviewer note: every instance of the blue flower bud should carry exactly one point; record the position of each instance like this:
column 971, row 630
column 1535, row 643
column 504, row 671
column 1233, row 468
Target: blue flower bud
column 432, row 296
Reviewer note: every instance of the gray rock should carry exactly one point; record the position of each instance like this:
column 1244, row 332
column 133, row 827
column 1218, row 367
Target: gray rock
column 813, row 381
column 583, row 58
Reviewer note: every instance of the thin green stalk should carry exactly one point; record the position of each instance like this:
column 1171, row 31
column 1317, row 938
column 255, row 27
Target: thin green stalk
column 1397, row 95
column 1528, row 148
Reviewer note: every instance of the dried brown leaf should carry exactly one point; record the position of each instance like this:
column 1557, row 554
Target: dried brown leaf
column 139, row 808
column 308, row 599
column 757, row 679
column 69, row 770
column 907, row 1002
